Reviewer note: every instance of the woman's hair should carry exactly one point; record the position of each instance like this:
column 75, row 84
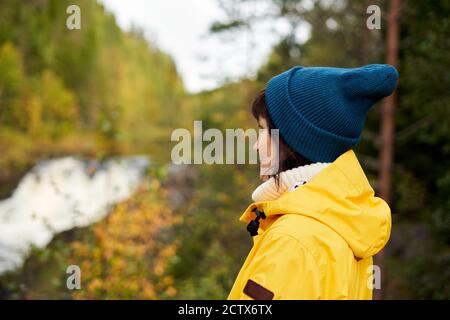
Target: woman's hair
column 289, row 158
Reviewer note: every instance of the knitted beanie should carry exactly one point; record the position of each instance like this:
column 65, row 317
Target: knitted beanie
column 320, row 111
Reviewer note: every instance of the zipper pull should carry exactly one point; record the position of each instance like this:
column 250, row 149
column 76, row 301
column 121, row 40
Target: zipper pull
column 253, row 226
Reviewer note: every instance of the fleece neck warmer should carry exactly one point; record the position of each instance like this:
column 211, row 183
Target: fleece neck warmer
column 289, row 179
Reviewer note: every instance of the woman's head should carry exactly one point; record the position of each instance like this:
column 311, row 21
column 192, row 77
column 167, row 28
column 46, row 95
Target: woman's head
column 320, row 111
column 288, row 158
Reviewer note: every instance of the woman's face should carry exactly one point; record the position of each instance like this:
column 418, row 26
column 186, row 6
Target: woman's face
column 263, row 147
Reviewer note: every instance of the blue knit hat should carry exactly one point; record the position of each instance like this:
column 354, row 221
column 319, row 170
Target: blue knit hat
column 320, row 111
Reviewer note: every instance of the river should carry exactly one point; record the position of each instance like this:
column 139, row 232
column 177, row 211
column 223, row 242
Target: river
column 60, row 194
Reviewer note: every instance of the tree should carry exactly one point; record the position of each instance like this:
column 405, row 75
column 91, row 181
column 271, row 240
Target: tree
column 388, row 123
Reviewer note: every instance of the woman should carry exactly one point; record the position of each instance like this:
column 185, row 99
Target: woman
column 316, row 223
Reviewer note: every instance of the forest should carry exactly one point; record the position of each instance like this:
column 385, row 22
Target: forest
column 103, row 92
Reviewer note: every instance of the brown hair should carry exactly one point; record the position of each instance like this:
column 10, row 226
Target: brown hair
column 289, row 158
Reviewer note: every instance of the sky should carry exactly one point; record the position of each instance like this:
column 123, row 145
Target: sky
column 181, row 29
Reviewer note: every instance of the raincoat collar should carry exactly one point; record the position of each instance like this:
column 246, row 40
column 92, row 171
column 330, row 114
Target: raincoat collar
column 340, row 197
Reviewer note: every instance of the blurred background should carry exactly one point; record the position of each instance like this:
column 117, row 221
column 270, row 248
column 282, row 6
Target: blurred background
column 86, row 117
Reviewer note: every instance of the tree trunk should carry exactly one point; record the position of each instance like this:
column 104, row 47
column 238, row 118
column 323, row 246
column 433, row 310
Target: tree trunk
column 387, row 131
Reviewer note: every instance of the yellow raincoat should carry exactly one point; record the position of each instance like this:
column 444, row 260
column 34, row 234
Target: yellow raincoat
column 317, row 241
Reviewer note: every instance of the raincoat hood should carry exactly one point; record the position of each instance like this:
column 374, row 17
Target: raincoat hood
column 339, row 197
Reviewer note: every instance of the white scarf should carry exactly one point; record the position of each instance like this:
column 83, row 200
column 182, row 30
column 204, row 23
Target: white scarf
column 289, row 179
